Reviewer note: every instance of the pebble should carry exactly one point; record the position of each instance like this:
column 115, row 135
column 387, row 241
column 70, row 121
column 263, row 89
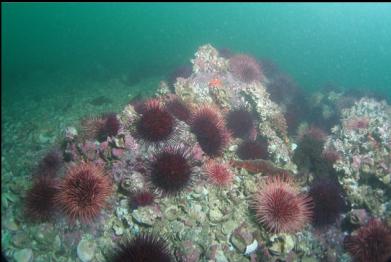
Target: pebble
column 229, row 226
column 251, row 248
column 24, row 255
column 145, row 215
column 220, row 257
column 118, row 229
column 10, row 224
column 215, row 215
column 20, row 239
column 172, row 213
column 282, row 244
column 86, row 250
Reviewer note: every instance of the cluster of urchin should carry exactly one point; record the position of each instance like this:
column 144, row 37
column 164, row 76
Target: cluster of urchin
column 280, row 206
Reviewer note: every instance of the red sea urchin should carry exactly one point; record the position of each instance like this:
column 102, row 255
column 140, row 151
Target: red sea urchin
column 240, row 122
column 40, row 204
column 280, row 207
column 245, row 68
column 84, row 192
column 372, row 242
column 144, row 248
column 209, row 128
column 156, row 123
column 219, row 174
column 170, row 170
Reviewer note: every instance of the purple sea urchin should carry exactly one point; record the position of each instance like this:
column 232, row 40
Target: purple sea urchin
column 372, row 242
column 240, row 122
column 249, row 150
column 156, row 123
column 179, row 109
column 39, row 203
column 51, row 163
column 245, row 68
column 209, row 128
column 170, row 170
column 144, row 248
column 328, row 202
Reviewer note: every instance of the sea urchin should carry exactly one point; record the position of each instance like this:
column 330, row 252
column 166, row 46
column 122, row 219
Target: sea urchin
column 372, row 242
column 110, row 127
column 144, row 248
column 209, row 128
column 179, row 109
column 170, row 170
column 218, row 174
column 240, row 122
column 156, row 123
column 249, row 150
column 280, row 207
column 328, row 201
column 141, row 198
column 84, row 192
column 245, row 68
column 40, row 204
column 51, row 163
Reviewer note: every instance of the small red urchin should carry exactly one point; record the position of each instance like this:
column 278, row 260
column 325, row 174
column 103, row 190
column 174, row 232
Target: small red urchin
column 250, row 150
column 179, row 109
column 144, row 248
column 84, row 192
column 372, row 242
column 141, row 198
column 240, row 122
column 100, row 127
column 170, row 170
column 209, row 127
column 91, row 127
column 40, row 204
column 219, row 174
column 245, row 68
column 156, row 123
column 280, row 207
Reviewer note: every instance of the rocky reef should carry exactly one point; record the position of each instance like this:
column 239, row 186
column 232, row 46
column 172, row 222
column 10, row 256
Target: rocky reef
column 363, row 143
column 165, row 173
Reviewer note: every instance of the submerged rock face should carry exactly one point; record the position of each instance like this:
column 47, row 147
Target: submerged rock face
column 363, row 142
column 212, row 82
column 205, row 220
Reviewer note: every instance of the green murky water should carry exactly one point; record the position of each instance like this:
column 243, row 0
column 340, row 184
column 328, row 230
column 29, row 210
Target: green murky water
column 345, row 44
